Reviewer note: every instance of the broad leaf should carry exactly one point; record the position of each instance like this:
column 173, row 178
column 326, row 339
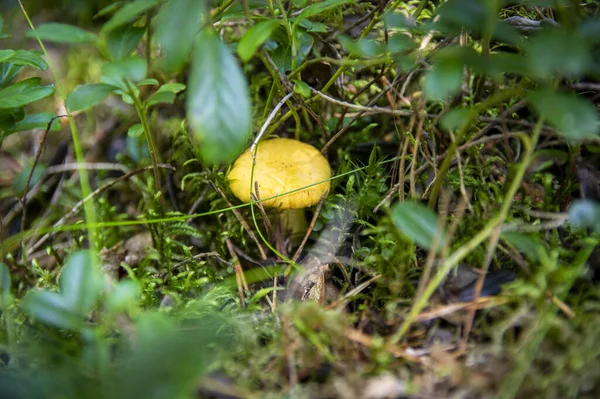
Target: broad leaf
column 177, row 25
column 38, row 121
column 63, row 33
column 575, row 118
column 558, row 51
column 23, row 93
column 81, row 282
column 86, row 96
column 136, row 131
column 6, row 54
column 417, row 222
column 444, row 79
column 122, row 41
column 31, row 58
column 51, row 308
column 218, row 102
column 165, row 94
column 255, row 37
column 129, row 12
column 127, row 69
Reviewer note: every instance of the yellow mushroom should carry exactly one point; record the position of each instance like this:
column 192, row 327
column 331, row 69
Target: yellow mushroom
column 282, row 167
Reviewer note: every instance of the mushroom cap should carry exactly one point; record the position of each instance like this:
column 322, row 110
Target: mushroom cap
column 282, row 165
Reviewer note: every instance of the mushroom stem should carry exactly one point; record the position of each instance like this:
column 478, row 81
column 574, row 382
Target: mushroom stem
column 293, row 223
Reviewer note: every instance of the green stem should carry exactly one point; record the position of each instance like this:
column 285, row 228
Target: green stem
column 90, row 214
column 467, row 248
column 152, row 149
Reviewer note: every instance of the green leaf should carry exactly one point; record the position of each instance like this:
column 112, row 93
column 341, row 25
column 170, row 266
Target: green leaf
column 109, row 9
column 165, row 94
column 177, row 24
column 50, row 308
column 123, row 295
column 136, row 131
column 81, row 282
column 149, row 82
column 31, row 58
column 117, row 72
column 6, row 54
column 122, row 41
column 302, row 88
column 320, row 7
column 129, row 12
column 9, row 119
column 5, row 295
column 361, row 48
column 558, row 51
column 525, row 243
column 63, row 33
column 23, row 93
column 86, row 96
column 38, row 121
column 255, row 37
column 456, row 118
column 218, row 103
column 575, row 118
column 417, row 222
column 443, row 79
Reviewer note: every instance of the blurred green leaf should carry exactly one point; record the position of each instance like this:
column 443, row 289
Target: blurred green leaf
column 5, row 283
column 81, row 281
column 38, row 121
column 470, row 14
column 31, row 58
column 456, row 118
column 443, row 79
column 561, row 51
column 63, row 33
column 178, row 23
column 123, row 295
column 320, row 7
column 20, row 180
column 122, row 41
column 136, row 130
column 218, row 102
column 51, row 308
column 417, row 222
column 532, row 248
column 361, row 48
column 129, row 12
column 575, row 118
column 165, row 94
column 6, row 54
column 126, row 69
column 255, row 37
column 86, row 96
column 23, row 93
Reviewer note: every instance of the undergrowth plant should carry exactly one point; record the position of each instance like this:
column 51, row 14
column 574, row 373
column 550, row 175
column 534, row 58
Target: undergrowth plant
column 462, row 136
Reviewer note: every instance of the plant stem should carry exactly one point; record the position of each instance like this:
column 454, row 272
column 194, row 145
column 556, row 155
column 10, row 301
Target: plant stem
column 90, row 214
column 147, row 134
